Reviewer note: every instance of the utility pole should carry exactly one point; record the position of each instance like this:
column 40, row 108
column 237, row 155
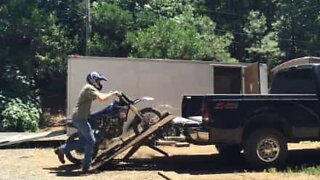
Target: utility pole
column 88, row 29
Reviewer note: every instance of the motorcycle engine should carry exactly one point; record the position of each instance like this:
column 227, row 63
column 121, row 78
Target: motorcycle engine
column 112, row 126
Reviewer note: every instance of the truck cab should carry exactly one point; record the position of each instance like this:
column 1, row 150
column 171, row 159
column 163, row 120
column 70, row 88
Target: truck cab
column 299, row 79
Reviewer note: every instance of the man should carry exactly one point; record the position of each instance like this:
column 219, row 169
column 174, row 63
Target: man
column 88, row 93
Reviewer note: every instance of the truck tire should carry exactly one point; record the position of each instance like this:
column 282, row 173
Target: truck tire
column 265, row 148
column 227, row 150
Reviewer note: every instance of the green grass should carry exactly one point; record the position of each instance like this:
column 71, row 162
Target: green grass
column 307, row 169
column 313, row 170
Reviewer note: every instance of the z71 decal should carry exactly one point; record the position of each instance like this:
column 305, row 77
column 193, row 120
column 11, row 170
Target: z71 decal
column 226, row 105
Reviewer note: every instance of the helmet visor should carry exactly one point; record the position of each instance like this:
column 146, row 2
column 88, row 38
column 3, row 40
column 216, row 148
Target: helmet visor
column 102, row 77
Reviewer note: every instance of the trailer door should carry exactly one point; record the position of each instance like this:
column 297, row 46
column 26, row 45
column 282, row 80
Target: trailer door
column 227, row 79
column 252, row 79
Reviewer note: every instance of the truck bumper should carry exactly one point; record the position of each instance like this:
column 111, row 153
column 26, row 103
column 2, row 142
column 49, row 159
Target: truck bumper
column 193, row 130
column 198, row 136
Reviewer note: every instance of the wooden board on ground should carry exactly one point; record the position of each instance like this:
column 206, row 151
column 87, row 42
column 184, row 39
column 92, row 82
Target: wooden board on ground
column 15, row 138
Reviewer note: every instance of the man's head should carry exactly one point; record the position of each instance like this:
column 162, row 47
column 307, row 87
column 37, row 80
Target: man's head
column 94, row 79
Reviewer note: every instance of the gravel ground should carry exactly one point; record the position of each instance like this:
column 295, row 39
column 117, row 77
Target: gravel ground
column 194, row 162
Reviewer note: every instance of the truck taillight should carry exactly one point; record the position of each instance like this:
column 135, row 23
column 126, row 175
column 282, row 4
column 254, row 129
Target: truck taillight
column 205, row 113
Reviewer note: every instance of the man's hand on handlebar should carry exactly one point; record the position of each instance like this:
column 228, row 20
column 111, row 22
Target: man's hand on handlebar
column 116, row 93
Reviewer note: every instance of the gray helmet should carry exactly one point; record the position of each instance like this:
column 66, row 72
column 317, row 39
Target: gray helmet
column 94, row 79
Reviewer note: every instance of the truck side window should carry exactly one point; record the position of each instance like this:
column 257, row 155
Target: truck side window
column 294, row 81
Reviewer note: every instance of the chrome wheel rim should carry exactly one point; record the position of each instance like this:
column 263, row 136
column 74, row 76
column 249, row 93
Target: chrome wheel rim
column 268, row 149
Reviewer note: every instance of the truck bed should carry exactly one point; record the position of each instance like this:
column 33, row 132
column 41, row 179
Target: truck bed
column 263, row 96
column 191, row 104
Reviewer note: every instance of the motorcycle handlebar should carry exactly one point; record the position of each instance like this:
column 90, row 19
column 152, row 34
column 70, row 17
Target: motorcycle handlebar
column 125, row 98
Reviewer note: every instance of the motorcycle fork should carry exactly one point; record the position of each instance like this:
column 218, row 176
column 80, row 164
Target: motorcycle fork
column 136, row 111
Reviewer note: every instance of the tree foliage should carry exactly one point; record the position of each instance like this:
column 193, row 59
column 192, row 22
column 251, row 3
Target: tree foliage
column 262, row 45
column 297, row 23
column 38, row 35
column 179, row 34
column 180, row 38
column 35, row 49
column 110, row 23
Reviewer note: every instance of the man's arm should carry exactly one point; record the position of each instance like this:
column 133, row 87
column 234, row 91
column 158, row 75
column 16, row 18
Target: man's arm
column 106, row 96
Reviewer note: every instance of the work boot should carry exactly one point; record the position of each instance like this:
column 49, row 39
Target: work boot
column 89, row 170
column 86, row 170
column 60, row 155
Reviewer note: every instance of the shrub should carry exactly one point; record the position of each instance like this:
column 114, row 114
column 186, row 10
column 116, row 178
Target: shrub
column 19, row 102
column 19, row 116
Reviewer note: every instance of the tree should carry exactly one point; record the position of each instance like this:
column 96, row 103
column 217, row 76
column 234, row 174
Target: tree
column 230, row 16
column 71, row 16
column 17, row 36
column 110, row 24
column 34, row 54
column 32, row 39
column 182, row 37
column 262, row 45
column 298, row 28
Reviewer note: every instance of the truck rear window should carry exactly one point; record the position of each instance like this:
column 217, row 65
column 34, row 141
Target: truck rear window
column 294, row 81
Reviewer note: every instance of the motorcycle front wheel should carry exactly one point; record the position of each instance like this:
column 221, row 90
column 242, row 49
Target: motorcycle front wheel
column 150, row 117
column 77, row 156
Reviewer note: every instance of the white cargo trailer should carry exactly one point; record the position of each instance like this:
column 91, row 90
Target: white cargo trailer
column 165, row 80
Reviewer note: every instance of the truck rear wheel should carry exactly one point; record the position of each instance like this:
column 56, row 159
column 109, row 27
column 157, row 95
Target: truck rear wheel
column 265, row 148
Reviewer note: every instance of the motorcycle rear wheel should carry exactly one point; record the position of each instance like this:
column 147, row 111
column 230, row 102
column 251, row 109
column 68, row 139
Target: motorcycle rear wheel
column 77, row 156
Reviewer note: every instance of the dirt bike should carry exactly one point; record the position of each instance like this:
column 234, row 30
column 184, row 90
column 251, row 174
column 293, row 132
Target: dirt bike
column 109, row 123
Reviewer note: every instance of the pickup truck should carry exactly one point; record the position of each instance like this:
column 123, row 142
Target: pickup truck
column 260, row 124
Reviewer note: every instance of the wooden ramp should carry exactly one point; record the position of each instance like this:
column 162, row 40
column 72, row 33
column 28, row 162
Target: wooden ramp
column 132, row 140
column 16, row 138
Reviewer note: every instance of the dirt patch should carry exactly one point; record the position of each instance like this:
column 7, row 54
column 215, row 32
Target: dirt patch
column 194, row 162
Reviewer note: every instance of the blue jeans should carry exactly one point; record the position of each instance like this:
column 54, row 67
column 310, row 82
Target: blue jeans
column 86, row 141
